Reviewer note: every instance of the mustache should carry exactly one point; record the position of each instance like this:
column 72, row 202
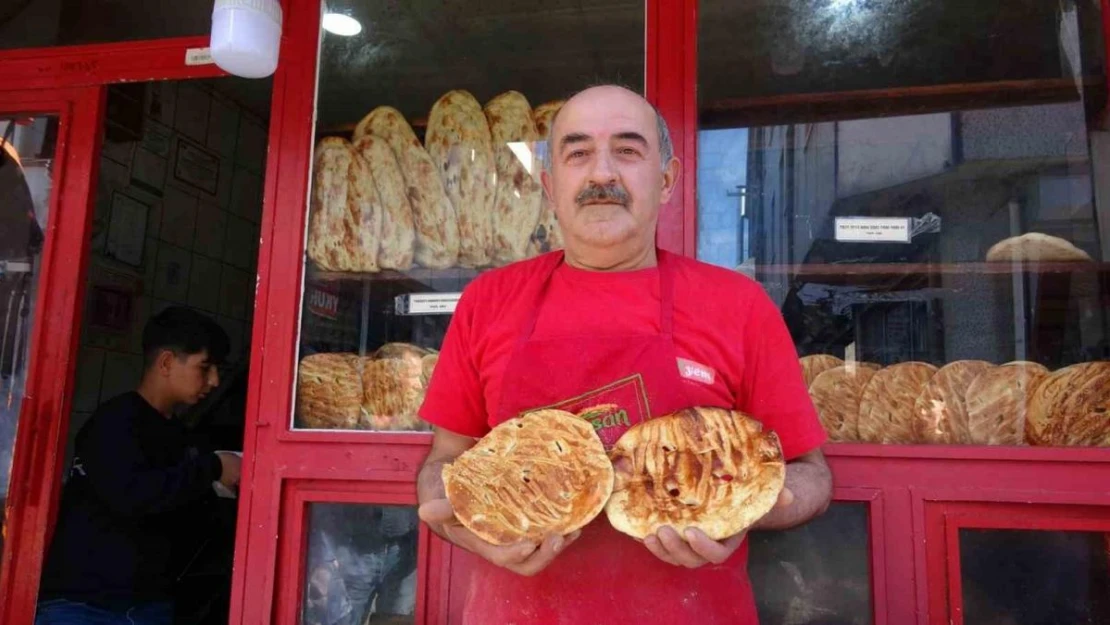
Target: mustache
column 613, row 192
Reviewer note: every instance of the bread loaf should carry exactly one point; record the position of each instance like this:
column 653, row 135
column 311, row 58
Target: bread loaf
column 1035, row 247
column 1078, row 408
column 547, row 236
column 329, row 391
column 434, row 218
column 998, row 401
column 836, row 394
column 398, row 233
column 519, row 195
column 458, row 140
column 707, row 468
column 533, row 476
column 940, row 412
column 814, row 364
column 345, row 226
column 886, row 412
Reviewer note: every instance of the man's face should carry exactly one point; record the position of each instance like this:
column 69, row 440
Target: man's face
column 191, row 377
column 607, row 180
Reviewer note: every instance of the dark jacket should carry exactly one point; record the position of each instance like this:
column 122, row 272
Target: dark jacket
column 134, row 494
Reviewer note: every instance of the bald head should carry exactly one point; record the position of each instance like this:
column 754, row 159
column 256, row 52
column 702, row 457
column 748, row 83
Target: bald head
column 609, row 167
column 662, row 131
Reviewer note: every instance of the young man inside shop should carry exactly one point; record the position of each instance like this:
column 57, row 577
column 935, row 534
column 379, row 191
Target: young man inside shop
column 613, row 307
column 137, row 489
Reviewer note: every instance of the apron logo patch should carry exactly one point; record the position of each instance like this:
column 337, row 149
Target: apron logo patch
column 606, row 416
column 695, row 371
column 611, row 409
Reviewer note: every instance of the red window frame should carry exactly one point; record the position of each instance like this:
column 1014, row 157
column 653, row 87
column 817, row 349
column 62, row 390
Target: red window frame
column 897, row 482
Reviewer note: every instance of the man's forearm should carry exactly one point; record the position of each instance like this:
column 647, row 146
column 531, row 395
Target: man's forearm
column 811, row 484
column 429, row 482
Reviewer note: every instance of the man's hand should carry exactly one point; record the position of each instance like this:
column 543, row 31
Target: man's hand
column 232, row 465
column 695, row 549
column 524, row 558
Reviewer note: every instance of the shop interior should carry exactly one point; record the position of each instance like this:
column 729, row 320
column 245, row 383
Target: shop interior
column 176, row 223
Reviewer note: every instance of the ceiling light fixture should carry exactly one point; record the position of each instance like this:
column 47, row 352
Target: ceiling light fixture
column 343, row 25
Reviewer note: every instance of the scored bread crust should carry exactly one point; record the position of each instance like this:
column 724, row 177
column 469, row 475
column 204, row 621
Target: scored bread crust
column 940, row 412
column 540, row 474
column 706, row 468
column 519, row 197
column 1078, row 407
column 998, row 402
column 836, row 395
column 816, row 364
column 886, row 408
column 329, row 391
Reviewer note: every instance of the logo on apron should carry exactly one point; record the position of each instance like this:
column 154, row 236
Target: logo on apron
column 611, row 409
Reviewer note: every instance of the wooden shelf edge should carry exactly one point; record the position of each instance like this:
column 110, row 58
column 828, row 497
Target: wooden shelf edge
column 867, row 269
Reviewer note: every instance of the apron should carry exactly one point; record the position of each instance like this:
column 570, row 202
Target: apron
column 605, row 576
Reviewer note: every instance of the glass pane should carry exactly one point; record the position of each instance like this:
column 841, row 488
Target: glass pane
column 388, row 251
column 43, row 23
column 26, row 171
column 361, row 565
column 1034, row 577
column 798, row 580
column 918, row 238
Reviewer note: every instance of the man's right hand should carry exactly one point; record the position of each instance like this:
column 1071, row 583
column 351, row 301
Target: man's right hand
column 231, row 468
column 524, row 558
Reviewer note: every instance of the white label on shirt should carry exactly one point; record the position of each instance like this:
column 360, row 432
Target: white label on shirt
column 696, row 371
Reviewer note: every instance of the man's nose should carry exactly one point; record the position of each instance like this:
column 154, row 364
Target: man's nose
column 604, row 170
column 214, row 377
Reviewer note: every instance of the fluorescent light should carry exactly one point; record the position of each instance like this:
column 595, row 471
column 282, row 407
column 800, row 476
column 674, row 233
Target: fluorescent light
column 343, row 25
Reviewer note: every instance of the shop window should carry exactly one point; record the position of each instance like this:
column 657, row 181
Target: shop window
column 798, row 580
column 44, row 23
column 400, row 213
column 926, row 203
column 26, row 173
column 361, row 565
column 1034, row 577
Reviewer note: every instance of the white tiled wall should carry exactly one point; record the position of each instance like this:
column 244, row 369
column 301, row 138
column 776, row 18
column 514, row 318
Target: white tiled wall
column 200, row 249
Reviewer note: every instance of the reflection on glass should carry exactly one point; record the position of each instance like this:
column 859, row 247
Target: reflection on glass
column 1019, row 577
column 361, row 565
column 26, row 160
column 799, row 580
column 431, row 126
column 919, row 241
column 42, row 23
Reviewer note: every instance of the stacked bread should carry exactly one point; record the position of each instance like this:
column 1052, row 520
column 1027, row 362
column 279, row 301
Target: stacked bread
column 963, row 402
column 469, row 196
column 382, row 391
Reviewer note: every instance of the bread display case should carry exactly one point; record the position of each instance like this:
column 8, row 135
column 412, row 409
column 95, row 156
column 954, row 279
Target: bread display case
column 924, row 200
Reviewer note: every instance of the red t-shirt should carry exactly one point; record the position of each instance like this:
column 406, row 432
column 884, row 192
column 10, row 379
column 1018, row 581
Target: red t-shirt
column 722, row 320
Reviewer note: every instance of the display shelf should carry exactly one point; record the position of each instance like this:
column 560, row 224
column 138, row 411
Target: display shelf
column 416, row 274
column 849, row 270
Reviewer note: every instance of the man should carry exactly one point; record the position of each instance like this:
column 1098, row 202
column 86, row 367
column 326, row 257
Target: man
column 135, row 484
column 613, row 320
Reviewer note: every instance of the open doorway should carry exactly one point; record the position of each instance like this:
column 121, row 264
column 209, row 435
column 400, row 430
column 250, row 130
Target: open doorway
column 177, row 224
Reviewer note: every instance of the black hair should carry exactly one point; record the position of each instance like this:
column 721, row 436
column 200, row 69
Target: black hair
column 184, row 332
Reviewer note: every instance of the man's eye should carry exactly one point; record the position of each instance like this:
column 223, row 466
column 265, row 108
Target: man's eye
column 577, row 154
column 627, row 151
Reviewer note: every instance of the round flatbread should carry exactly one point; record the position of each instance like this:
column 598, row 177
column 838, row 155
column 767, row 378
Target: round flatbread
column 1036, row 247
column 1072, row 407
column 329, row 391
column 998, row 400
column 940, row 413
column 836, row 394
column 543, row 473
column 886, row 407
column 706, row 468
column 816, row 364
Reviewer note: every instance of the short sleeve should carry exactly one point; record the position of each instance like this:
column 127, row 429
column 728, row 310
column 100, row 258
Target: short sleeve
column 454, row 400
column 774, row 389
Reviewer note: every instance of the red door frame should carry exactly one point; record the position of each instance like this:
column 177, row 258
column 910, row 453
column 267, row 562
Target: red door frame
column 70, row 82
column 44, row 413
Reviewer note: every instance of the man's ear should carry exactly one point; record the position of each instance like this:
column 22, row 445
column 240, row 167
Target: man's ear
column 671, row 174
column 163, row 363
column 545, row 180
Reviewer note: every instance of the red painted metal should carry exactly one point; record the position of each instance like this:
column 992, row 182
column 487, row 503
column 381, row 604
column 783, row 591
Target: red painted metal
column 96, row 64
column 44, row 415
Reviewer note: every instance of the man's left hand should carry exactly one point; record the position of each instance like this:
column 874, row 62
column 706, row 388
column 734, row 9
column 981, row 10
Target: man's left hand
column 695, row 549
